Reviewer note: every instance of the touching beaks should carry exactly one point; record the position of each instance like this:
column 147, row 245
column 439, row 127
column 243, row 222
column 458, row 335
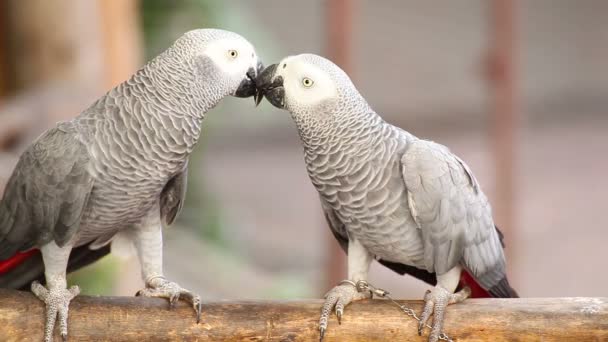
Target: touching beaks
column 257, row 96
column 248, row 87
column 270, row 86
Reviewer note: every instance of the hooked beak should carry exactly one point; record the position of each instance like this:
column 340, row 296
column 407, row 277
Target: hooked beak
column 271, row 87
column 248, row 86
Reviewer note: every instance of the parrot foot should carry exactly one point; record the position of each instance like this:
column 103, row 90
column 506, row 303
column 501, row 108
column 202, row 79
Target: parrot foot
column 435, row 302
column 160, row 287
column 57, row 301
column 339, row 297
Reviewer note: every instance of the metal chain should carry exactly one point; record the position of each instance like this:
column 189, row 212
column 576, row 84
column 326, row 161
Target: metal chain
column 362, row 286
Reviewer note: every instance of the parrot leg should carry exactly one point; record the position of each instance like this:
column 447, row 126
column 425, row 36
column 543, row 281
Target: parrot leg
column 56, row 296
column 160, row 287
column 437, row 300
column 341, row 295
column 148, row 241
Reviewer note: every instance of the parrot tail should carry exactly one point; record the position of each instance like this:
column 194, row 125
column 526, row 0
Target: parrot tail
column 500, row 290
column 503, row 290
column 18, row 271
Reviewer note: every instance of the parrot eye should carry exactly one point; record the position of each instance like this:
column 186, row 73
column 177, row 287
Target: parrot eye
column 307, row 82
column 233, row 54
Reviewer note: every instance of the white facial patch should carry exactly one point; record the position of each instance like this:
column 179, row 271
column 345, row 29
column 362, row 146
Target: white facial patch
column 305, row 84
column 233, row 56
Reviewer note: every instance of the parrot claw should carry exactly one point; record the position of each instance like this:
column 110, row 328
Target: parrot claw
column 173, row 300
column 435, row 303
column 159, row 287
column 57, row 301
column 336, row 299
column 199, row 310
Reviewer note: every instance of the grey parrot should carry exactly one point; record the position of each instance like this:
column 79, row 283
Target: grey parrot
column 387, row 195
column 118, row 169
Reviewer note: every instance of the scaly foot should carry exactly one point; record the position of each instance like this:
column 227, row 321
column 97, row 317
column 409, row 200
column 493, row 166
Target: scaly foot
column 57, row 301
column 436, row 301
column 162, row 288
column 339, row 297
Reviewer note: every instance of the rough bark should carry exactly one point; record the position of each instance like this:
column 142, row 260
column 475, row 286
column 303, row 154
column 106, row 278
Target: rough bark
column 144, row 319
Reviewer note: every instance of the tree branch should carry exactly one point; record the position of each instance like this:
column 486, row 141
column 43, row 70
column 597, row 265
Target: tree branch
column 145, row 319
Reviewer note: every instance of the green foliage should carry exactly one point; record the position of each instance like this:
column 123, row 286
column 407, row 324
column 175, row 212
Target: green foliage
column 164, row 20
column 201, row 210
column 97, row 278
column 289, row 286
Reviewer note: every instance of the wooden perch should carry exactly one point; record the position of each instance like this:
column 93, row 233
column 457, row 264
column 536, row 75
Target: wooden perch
column 145, row 319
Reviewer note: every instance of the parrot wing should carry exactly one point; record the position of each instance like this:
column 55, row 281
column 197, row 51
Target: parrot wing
column 173, row 196
column 454, row 216
column 47, row 192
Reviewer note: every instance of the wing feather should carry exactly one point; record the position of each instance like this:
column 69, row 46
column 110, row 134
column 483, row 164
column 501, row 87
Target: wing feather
column 453, row 214
column 173, row 196
column 47, row 193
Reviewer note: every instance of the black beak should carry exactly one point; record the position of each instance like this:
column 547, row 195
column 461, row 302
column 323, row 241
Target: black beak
column 271, row 87
column 248, row 87
column 257, row 96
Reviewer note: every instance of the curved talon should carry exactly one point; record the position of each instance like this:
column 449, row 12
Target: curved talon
column 336, row 300
column 173, row 300
column 159, row 287
column 421, row 328
column 199, row 310
column 426, row 295
column 426, row 312
column 436, row 302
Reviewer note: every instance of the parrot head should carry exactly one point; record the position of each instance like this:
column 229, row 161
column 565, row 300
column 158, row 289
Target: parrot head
column 306, row 84
column 224, row 58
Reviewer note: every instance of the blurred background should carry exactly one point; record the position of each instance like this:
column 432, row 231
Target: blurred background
column 518, row 89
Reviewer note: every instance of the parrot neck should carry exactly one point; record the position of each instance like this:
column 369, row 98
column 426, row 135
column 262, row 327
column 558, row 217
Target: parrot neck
column 174, row 81
column 163, row 115
column 350, row 138
column 319, row 131
column 172, row 103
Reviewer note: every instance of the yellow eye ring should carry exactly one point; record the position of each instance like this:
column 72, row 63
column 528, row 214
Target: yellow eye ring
column 233, row 54
column 307, row 82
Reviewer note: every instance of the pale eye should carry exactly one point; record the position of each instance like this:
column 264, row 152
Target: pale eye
column 307, row 82
column 233, row 54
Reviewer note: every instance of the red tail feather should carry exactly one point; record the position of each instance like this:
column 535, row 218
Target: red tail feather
column 10, row 263
column 476, row 290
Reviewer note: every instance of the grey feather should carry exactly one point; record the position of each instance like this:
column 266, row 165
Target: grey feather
column 453, row 214
column 47, row 192
column 335, row 226
column 339, row 232
column 111, row 166
column 173, row 196
column 411, row 203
